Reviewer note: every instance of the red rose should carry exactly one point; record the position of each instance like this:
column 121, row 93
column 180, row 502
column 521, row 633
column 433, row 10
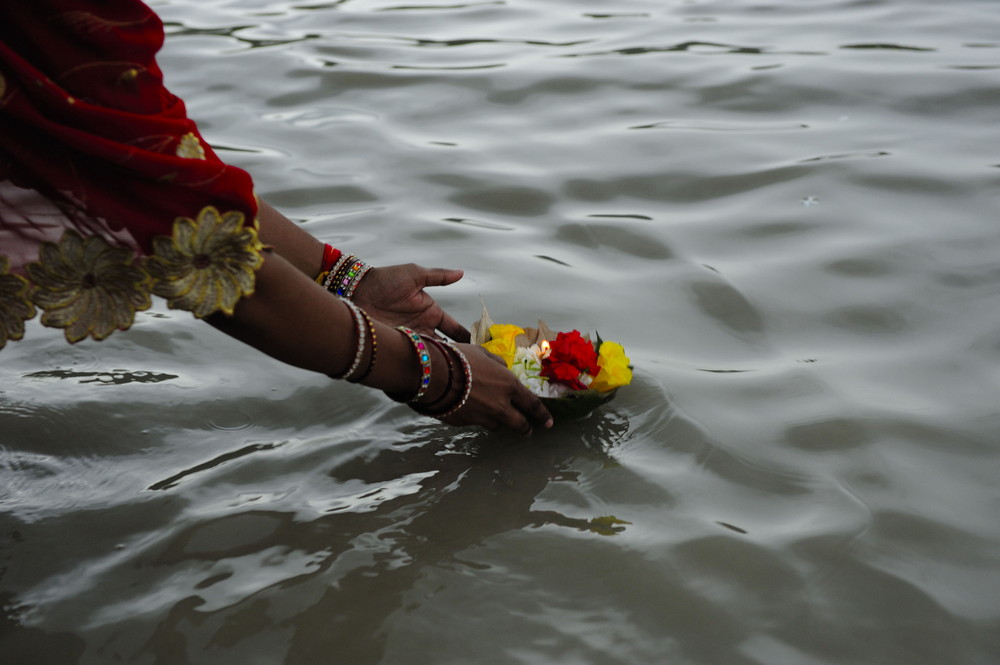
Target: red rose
column 576, row 350
column 572, row 355
column 563, row 373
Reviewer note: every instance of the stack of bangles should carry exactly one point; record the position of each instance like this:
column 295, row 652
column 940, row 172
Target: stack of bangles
column 366, row 346
column 441, row 407
column 341, row 273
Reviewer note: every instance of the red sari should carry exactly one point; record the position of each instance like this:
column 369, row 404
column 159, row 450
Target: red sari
column 108, row 193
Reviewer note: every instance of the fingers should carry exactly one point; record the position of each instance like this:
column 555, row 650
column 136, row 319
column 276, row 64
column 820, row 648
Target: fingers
column 518, row 424
column 524, row 410
column 532, row 409
column 453, row 329
column 498, row 400
column 524, row 417
column 511, row 419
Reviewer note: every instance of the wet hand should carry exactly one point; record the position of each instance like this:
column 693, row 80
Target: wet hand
column 498, row 400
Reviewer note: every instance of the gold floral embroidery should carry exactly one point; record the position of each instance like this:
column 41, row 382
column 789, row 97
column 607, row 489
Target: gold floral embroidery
column 90, row 288
column 190, row 147
column 15, row 308
column 208, row 264
column 87, row 287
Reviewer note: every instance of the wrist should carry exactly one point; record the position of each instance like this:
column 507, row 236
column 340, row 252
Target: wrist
column 423, row 377
column 444, row 388
column 344, row 274
column 330, row 257
column 458, row 387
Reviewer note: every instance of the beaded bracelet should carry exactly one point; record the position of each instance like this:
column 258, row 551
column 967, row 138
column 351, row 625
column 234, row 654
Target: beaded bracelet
column 424, row 358
column 467, row 389
column 359, row 352
column 343, row 278
column 357, row 280
column 331, row 276
column 348, row 278
column 429, row 408
column 371, row 360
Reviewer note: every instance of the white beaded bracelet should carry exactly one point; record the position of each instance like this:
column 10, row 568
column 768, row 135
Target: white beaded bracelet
column 360, row 326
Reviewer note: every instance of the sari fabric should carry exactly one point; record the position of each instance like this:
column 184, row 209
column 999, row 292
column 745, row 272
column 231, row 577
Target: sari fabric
column 108, row 192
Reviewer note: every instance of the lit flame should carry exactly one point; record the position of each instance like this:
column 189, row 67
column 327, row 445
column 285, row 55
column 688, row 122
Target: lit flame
column 544, row 349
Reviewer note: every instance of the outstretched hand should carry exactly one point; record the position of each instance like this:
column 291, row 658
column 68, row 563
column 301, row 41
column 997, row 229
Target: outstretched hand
column 395, row 295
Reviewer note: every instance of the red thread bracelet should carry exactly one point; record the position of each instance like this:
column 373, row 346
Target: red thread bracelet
column 330, row 257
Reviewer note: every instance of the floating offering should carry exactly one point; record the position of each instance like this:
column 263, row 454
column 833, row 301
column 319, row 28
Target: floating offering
column 572, row 374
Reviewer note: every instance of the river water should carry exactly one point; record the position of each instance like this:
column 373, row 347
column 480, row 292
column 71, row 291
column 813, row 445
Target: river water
column 786, row 211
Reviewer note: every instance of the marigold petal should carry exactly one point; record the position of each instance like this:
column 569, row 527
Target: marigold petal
column 615, row 371
column 504, row 348
column 505, row 331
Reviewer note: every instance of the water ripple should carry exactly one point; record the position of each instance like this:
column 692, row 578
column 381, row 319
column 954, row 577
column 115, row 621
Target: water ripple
column 803, row 470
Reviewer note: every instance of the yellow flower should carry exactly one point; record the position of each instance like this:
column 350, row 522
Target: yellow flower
column 614, row 366
column 190, row 147
column 87, row 287
column 502, row 342
column 15, row 308
column 208, row 264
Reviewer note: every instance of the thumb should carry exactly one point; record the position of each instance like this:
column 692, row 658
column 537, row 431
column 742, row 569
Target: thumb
column 442, row 276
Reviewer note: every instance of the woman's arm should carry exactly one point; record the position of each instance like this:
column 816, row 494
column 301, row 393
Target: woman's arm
column 296, row 245
column 394, row 294
column 291, row 318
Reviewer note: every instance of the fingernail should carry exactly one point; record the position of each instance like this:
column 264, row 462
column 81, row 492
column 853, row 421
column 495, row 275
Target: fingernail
column 549, row 423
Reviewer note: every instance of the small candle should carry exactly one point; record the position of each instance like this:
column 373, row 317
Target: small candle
column 544, row 350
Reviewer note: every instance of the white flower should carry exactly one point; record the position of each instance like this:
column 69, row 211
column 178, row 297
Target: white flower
column 527, row 367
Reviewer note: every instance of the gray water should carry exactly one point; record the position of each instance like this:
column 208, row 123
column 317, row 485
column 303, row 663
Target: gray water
column 786, row 211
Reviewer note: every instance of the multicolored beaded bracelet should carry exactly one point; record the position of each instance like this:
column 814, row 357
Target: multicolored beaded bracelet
column 424, row 358
column 430, row 408
column 331, row 276
column 451, row 371
column 357, row 280
column 347, row 280
column 359, row 326
column 343, row 278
